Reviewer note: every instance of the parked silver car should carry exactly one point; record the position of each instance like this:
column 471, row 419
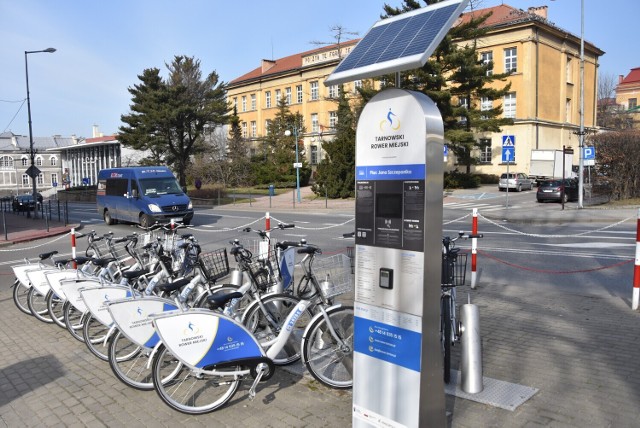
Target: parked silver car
column 517, row 181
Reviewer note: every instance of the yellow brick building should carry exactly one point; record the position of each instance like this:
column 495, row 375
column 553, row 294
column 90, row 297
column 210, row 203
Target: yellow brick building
column 544, row 98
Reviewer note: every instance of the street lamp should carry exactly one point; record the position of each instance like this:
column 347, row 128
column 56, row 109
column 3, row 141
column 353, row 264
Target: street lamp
column 296, row 165
column 32, row 169
column 581, row 132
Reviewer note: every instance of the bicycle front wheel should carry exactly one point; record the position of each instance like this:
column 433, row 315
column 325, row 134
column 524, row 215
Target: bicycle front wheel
column 265, row 319
column 73, row 320
column 128, row 362
column 189, row 391
column 445, row 336
column 38, row 305
column 55, row 307
column 327, row 354
column 94, row 333
column 20, row 296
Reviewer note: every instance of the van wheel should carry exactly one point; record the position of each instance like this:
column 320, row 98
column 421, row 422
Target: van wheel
column 146, row 221
column 108, row 219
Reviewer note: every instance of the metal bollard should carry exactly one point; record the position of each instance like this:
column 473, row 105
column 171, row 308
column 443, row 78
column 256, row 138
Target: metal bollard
column 471, row 353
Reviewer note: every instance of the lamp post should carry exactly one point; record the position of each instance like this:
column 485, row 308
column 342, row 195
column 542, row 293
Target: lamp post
column 32, row 169
column 581, row 132
column 297, row 165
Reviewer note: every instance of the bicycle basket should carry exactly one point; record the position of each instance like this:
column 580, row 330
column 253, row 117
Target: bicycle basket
column 454, row 270
column 215, row 264
column 263, row 273
column 334, row 274
column 351, row 253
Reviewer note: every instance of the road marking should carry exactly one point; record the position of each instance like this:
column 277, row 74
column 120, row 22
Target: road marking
column 471, row 205
column 590, row 245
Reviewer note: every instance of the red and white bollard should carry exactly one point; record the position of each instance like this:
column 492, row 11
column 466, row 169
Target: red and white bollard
column 636, row 269
column 474, row 248
column 73, row 246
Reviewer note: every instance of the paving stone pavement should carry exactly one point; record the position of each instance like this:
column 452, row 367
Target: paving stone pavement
column 47, row 378
column 580, row 351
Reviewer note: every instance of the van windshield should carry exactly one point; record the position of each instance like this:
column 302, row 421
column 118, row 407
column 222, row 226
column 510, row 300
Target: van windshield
column 154, row 187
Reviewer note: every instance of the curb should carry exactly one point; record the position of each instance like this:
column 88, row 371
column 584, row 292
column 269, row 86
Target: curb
column 36, row 234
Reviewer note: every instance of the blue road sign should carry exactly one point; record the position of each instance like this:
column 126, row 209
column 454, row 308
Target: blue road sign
column 508, row 141
column 508, row 154
column 588, row 153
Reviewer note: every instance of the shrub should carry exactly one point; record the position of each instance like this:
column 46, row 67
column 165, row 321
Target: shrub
column 458, row 180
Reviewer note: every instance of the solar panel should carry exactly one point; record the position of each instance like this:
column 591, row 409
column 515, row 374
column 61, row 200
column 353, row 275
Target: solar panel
column 403, row 42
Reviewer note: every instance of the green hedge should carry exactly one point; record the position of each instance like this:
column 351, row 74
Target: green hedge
column 459, row 180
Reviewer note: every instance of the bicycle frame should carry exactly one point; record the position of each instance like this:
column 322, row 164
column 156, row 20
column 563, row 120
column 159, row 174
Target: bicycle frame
column 202, row 339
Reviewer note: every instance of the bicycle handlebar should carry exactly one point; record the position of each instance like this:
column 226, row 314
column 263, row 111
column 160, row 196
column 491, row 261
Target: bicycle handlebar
column 280, row 226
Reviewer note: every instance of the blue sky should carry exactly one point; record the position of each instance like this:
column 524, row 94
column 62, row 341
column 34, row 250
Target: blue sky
column 102, row 46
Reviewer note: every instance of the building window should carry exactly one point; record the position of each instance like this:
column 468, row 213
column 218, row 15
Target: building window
column 356, row 84
column 333, row 91
column 633, row 103
column 569, row 70
column 54, row 179
column 333, row 119
column 267, row 99
column 464, row 103
column 315, row 127
column 485, row 150
column 567, row 113
column 287, row 95
column 253, row 101
column 314, row 155
column 25, row 161
column 487, row 60
column 254, row 129
column 314, row 91
column 40, row 179
column 510, row 60
column 39, row 161
column 510, row 105
column 244, row 129
column 244, row 103
column 267, row 125
column 299, row 94
column 53, row 161
column 278, row 96
column 25, row 180
column 6, row 162
column 486, row 104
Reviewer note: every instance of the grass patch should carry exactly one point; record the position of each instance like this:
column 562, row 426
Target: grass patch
column 624, row 202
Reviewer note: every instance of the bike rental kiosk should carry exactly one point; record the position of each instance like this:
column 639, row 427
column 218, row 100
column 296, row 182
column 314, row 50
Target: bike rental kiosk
column 398, row 378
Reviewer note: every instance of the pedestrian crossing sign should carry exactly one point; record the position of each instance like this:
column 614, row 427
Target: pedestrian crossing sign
column 508, row 140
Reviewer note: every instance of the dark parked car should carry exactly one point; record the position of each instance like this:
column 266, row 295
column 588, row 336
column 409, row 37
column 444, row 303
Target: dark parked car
column 25, row 202
column 552, row 190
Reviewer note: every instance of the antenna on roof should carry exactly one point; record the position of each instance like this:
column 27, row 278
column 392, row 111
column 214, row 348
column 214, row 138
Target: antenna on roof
column 338, row 31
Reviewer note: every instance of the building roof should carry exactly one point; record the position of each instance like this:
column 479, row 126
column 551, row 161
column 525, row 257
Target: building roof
column 286, row 64
column 501, row 15
column 12, row 142
column 632, row 77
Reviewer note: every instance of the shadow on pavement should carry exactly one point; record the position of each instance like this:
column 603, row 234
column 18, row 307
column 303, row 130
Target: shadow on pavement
column 25, row 376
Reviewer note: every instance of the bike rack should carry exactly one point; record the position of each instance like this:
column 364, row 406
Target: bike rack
column 471, row 352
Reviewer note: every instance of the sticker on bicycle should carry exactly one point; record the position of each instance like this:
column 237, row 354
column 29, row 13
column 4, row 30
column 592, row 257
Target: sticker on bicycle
column 202, row 339
column 96, row 300
column 132, row 318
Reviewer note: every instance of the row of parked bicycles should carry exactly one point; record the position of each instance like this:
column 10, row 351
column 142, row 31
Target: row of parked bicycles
column 171, row 318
